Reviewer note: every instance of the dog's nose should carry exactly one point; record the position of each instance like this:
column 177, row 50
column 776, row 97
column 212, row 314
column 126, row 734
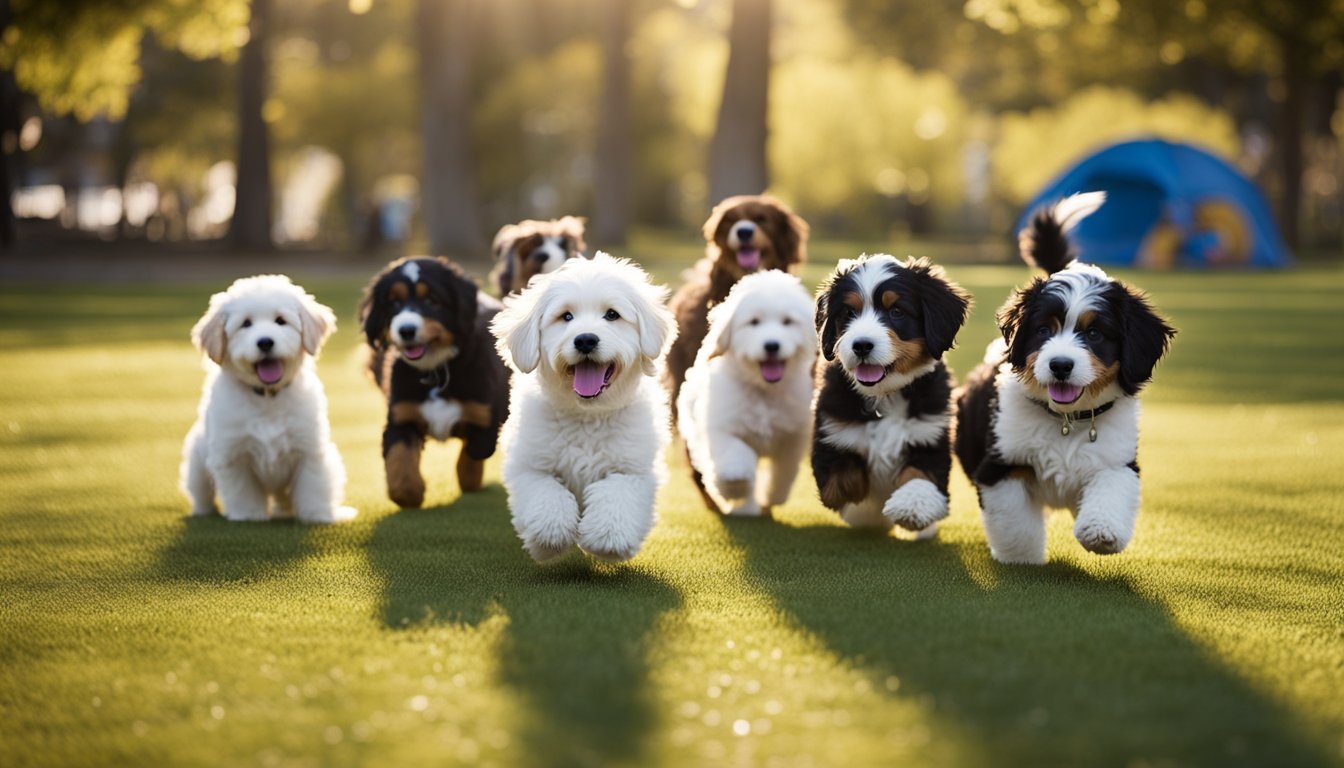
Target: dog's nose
column 541, row 257
column 862, row 347
column 265, row 343
column 586, row 342
column 1061, row 367
column 407, row 332
column 772, row 347
column 744, row 233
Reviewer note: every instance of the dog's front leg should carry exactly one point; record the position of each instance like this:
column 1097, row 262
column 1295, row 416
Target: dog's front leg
column 920, row 498
column 618, row 514
column 1107, row 510
column 545, row 515
column 319, row 483
column 784, row 463
column 242, row 494
column 734, row 472
column 1014, row 520
column 402, row 444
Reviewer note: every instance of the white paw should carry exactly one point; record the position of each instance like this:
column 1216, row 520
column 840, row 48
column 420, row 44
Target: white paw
column 1018, row 558
column 548, row 525
column 864, row 515
column 440, row 416
column 1100, row 538
column 610, row 533
column 916, row 505
column 326, row 516
column 246, row 515
column 203, row 511
column 745, row 509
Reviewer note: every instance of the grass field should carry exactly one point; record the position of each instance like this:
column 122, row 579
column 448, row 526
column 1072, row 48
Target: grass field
column 130, row 634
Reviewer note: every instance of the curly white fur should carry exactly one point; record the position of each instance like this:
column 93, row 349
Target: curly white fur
column 261, row 441
column 730, row 415
column 585, row 470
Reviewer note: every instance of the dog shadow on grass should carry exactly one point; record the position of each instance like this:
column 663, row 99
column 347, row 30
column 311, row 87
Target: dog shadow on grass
column 214, row 550
column 577, row 636
column 1041, row 666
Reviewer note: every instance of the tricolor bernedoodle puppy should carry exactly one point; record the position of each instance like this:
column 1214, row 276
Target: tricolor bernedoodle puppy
column 533, row 247
column 880, row 451
column 743, row 234
column 588, row 417
column 261, row 442
column 428, row 328
column 1052, row 418
column 748, row 397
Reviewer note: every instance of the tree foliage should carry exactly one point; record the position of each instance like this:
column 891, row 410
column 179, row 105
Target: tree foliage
column 81, row 57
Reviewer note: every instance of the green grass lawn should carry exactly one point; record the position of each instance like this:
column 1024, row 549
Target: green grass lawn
column 131, row 634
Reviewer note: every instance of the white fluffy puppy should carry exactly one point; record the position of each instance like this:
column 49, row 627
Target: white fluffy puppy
column 749, row 395
column 261, row 441
column 588, row 418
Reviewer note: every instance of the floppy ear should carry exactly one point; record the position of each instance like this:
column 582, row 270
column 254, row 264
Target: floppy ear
column 573, row 227
column 793, row 234
column 372, row 313
column 719, row 338
column 657, row 325
column 517, row 330
column 1144, row 338
column 208, row 333
column 826, row 329
column 711, row 227
column 1012, row 315
column 944, row 305
column 503, row 249
column 316, row 322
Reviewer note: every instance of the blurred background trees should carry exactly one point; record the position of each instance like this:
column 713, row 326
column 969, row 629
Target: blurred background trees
column 388, row 125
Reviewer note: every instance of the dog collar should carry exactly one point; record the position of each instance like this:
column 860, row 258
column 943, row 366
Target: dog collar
column 268, row 391
column 1071, row 417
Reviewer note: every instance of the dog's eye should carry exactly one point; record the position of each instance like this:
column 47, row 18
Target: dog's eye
column 1093, row 334
column 895, row 312
column 567, row 316
column 279, row 320
column 247, row 323
column 759, row 218
column 1044, row 330
column 612, row 315
column 755, row 321
column 787, row 321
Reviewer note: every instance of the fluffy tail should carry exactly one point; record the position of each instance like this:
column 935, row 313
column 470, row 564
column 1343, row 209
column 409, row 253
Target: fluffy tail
column 1045, row 243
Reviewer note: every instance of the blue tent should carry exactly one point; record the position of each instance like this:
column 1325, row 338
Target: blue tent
column 1168, row 204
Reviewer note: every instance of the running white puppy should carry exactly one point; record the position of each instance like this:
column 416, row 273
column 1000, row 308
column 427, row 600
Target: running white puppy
column 749, row 395
column 588, row 418
column 261, row 440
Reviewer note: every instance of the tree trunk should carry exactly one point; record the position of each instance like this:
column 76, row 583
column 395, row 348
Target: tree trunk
column 737, row 155
column 448, row 184
column 9, row 122
column 250, row 228
column 1291, row 125
column 611, row 209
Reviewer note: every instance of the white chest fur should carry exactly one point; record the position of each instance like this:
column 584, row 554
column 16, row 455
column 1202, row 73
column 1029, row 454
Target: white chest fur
column 885, row 442
column 1026, row 434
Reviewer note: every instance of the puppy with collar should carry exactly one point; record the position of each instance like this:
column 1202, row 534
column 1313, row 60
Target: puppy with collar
column 743, row 235
column 428, row 328
column 1051, row 418
column 880, row 450
column 748, row 398
column 533, row 247
column 588, row 418
column 261, row 442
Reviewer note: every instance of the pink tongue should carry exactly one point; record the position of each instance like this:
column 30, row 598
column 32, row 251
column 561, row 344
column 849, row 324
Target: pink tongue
column 1064, row 393
column 867, row 373
column 772, row 370
column 270, row 371
column 589, row 378
column 414, row 352
column 748, row 258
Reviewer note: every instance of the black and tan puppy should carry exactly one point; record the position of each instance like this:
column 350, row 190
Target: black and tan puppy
column 533, row 247
column 743, row 234
column 434, row 358
column 880, row 448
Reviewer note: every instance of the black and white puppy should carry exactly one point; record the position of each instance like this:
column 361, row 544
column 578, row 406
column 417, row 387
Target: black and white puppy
column 434, row 358
column 1051, row 418
column 880, row 449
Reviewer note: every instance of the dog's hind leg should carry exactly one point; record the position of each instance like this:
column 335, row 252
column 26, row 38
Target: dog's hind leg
column 470, row 472
column 784, row 464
